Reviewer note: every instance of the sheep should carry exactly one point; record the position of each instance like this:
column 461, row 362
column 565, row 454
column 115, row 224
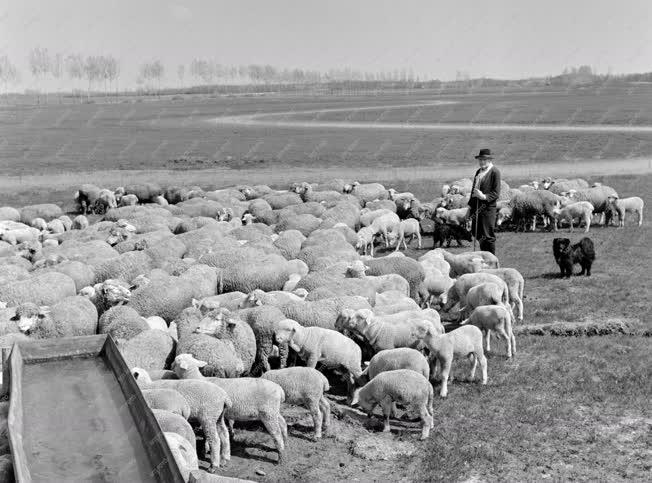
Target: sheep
column 150, row 349
column 167, row 400
column 305, row 224
column 128, row 200
column 328, row 198
column 85, row 197
column 173, row 422
column 122, row 322
column 18, row 234
column 530, row 204
column 393, row 301
column 388, row 331
column 281, row 200
column 42, row 289
column 258, row 297
column 55, row 226
column 228, row 300
column 105, row 201
column 465, row 341
column 222, row 324
column 402, row 386
column 434, row 285
column 80, row 222
column 289, row 243
column 457, row 292
column 467, row 262
column 410, row 228
column 39, row 223
column 457, row 216
column 220, row 355
column 384, row 224
column 156, row 322
column 486, row 293
column 367, row 216
column 406, row 267
column 497, row 318
column 252, row 399
column 9, row 213
column 305, row 386
column 71, row 316
column 81, row 273
column 453, row 202
column 381, row 283
column 322, row 313
column 393, row 359
column 461, row 186
column 316, row 344
column 184, row 453
column 560, row 186
column 515, row 285
column 633, row 204
column 365, row 240
column 145, row 192
column 207, row 403
column 580, row 209
column 367, row 192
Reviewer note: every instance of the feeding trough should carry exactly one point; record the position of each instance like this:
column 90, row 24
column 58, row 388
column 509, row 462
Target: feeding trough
column 76, row 414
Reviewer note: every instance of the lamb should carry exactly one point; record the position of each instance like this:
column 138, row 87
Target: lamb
column 305, row 386
column 406, row 267
column 39, row 223
column 467, row 262
column 530, row 204
column 402, row 386
column 322, row 313
column 150, row 349
column 71, row 316
column 122, row 322
column 515, row 285
column 410, row 228
column 208, row 404
column 457, row 216
column 367, row 216
column 316, row 344
column 42, row 289
column 393, row 359
column 486, row 293
column 457, row 292
column 366, row 237
column 80, row 222
column 128, row 200
column 367, row 192
column 222, row 324
column 381, row 283
column 253, row 399
column 434, row 285
column 598, row 196
column 384, row 224
column 580, row 209
column 497, row 318
column 388, row 331
column 465, row 341
column 622, row 206
column 172, row 422
column 167, row 400
column 393, row 301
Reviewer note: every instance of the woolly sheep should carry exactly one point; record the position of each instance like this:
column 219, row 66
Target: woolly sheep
column 385, row 224
column 515, row 285
column 561, row 186
column 457, row 216
column 81, row 273
column 434, row 285
column 390, row 330
column 9, row 213
column 393, row 359
column 156, row 322
column 365, row 240
column 367, row 192
column 207, row 403
column 402, row 386
column 145, row 192
column 305, row 386
column 80, row 222
column 128, row 200
column 184, row 454
column 461, row 186
column 281, row 200
column 252, row 399
column 486, row 293
column 39, row 223
column 380, row 205
column 583, row 210
column 497, row 318
column 47, row 211
column 122, row 322
column 530, row 204
column 392, row 301
column 167, row 400
column 278, row 297
column 172, row 422
column 85, row 197
column 381, row 283
column 18, row 235
column 316, row 344
column 328, row 198
column 289, row 243
column 633, row 204
column 467, row 262
column 41, row 289
column 406, row 267
column 71, row 316
column 228, row 300
column 151, row 349
column 322, row 313
column 220, row 355
column 368, row 216
column 464, row 341
column 344, row 212
column 457, row 292
column 408, row 228
column 222, row 324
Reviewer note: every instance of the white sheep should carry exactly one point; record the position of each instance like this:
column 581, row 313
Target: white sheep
column 458, row 291
column 392, row 359
column 367, row 216
column 381, row 283
column 365, row 242
column 207, row 403
column 402, row 386
column 515, row 285
column 463, row 342
column 315, row 344
column 306, row 387
column 582, row 210
column 80, row 222
column 408, row 228
column 435, row 284
column 184, row 453
column 598, row 196
column 167, row 400
column 385, row 224
column 128, row 200
column 497, row 318
column 457, row 216
column 467, row 262
column 633, row 204
column 486, row 293
column 393, row 301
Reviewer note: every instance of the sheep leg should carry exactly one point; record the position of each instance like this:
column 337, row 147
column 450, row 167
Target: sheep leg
column 284, row 428
column 223, row 435
column 534, row 222
column 273, row 427
column 640, row 217
column 326, row 412
column 474, row 359
column 317, row 417
column 503, row 334
column 570, row 220
column 312, row 360
column 487, row 338
column 519, row 303
column 387, row 405
column 427, row 421
column 419, row 240
column 210, row 432
column 445, row 371
column 398, row 244
column 350, row 388
column 587, row 222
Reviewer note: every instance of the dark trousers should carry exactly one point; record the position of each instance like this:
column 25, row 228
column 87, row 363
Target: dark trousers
column 483, row 227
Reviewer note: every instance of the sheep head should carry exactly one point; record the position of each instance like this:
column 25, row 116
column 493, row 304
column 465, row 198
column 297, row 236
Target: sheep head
column 285, row 330
column 141, row 375
column 29, row 314
column 344, row 319
column 356, row 269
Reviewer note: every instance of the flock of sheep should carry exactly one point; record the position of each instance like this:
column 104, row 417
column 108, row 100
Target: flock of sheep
column 205, row 291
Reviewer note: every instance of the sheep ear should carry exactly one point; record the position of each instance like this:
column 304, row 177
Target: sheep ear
column 200, row 363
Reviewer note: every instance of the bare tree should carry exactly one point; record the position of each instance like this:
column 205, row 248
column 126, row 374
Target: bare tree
column 8, row 72
column 154, row 70
column 92, row 71
column 113, row 71
column 39, row 65
column 56, row 69
column 181, row 72
column 75, row 68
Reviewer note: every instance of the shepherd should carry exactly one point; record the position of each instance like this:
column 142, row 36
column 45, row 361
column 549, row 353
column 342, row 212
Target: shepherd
column 482, row 203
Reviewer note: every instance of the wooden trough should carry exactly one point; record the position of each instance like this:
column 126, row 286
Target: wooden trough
column 77, row 414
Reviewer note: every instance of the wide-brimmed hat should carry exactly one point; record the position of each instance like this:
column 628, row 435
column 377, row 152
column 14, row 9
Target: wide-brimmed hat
column 484, row 154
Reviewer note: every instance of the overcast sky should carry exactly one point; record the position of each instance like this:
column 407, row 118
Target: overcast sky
column 501, row 38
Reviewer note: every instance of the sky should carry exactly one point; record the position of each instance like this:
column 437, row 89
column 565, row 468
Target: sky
column 501, row 38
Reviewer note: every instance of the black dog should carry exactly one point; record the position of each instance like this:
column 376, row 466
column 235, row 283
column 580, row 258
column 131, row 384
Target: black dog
column 566, row 255
column 445, row 232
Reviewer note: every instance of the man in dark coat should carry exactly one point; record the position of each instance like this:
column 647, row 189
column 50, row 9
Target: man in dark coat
column 482, row 204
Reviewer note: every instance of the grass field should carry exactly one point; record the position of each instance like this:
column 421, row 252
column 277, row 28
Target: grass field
column 564, row 408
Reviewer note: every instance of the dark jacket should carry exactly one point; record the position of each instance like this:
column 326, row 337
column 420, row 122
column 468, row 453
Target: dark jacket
column 490, row 186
